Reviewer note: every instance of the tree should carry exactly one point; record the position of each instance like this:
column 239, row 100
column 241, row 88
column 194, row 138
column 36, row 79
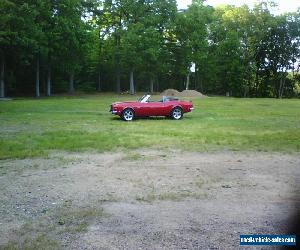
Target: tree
column 236, row 50
column 7, row 36
column 72, row 35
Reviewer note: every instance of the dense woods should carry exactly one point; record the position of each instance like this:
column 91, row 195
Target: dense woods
column 59, row 46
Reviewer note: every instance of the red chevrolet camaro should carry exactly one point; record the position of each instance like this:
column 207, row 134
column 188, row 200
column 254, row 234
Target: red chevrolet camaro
column 168, row 107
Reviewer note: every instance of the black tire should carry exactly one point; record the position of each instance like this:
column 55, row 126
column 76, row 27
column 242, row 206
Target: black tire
column 128, row 114
column 177, row 113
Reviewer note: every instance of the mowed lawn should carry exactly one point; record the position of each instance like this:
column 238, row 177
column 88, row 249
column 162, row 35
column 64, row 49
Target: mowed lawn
column 35, row 127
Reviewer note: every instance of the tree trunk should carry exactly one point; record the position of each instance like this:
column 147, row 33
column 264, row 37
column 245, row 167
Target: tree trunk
column 131, row 83
column 256, row 83
column 199, row 80
column 2, row 83
column 48, row 92
column 249, row 84
column 37, row 81
column 71, row 83
column 246, row 91
column 43, row 82
column 118, row 82
column 151, row 85
column 187, row 81
column 201, row 85
column 99, row 82
column 281, row 87
column 118, row 70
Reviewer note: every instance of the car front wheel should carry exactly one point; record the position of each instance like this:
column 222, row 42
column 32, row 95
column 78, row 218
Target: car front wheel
column 177, row 113
column 128, row 115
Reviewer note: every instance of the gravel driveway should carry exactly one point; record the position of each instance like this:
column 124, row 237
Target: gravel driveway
column 146, row 199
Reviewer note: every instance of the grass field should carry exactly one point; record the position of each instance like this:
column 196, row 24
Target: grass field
column 35, row 127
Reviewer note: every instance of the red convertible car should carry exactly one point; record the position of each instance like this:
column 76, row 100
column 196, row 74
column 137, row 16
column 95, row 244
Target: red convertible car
column 168, row 106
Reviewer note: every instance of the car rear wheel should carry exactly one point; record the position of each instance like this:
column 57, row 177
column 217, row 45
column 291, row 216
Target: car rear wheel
column 177, row 113
column 128, row 115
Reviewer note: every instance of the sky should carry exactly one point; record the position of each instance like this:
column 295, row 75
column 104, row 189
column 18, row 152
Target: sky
column 283, row 5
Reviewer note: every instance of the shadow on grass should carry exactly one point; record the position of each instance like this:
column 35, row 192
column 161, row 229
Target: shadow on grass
column 151, row 118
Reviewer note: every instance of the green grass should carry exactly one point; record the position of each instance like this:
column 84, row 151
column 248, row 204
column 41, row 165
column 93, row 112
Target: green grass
column 34, row 127
column 170, row 196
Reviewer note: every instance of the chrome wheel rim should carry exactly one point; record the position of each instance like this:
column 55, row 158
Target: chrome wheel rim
column 128, row 115
column 177, row 114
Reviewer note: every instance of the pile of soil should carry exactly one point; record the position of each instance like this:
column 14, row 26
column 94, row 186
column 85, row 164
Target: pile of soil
column 170, row 92
column 184, row 93
column 191, row 93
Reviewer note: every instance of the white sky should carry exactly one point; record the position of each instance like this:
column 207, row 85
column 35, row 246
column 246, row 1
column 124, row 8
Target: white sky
column 283, row 5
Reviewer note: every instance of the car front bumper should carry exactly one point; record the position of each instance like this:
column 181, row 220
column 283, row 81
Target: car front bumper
column 114, row 112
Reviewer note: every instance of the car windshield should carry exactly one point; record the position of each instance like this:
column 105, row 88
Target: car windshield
column 144, row 98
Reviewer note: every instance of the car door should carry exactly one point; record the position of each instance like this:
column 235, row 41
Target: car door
column 156, row 108
column 142, row 109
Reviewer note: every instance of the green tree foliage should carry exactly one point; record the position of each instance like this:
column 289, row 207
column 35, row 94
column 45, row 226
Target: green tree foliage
column 48, row 46
column 192, row 38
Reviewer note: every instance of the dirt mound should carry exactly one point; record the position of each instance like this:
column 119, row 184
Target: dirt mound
column 170, row 92
column 185, row 93
column 191, row 93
